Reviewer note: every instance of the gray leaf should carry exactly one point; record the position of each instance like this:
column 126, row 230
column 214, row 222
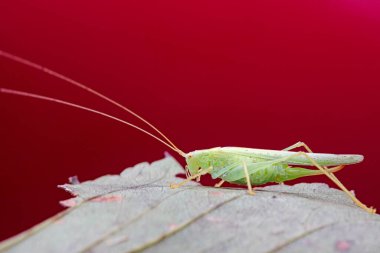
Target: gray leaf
column 136, row 211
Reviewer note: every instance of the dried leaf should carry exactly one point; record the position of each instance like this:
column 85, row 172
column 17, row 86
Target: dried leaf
column 136, row 211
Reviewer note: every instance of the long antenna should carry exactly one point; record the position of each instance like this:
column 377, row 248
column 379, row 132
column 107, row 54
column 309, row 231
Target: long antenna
column 82, row 86
column 32, row 95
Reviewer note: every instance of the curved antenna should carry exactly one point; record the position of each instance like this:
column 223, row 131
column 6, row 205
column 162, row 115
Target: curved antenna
column 32, row 95
column 82, row 86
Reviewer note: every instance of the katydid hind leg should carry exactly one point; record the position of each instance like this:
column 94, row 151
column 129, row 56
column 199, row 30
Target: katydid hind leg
column 328, row 173
column 302, row 144
column 333, row 178
column 297, row 145
column 331, row 170
column 294, row 146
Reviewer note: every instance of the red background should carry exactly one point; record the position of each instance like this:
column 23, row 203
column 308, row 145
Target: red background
column 262, row 74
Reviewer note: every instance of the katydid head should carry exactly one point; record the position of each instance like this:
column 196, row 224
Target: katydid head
column 192, row 163
column 197, row 160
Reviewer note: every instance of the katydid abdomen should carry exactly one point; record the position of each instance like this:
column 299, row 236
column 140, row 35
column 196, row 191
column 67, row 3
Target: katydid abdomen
column 264, row 166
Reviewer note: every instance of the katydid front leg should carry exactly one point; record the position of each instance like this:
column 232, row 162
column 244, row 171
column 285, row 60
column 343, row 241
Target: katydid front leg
column 200, row 173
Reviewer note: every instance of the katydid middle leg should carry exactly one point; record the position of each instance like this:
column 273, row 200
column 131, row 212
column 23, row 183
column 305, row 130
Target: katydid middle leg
column 250, row 191
column 217, row 185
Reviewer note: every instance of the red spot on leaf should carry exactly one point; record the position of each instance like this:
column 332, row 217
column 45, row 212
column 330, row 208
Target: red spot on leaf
column 343, row 245
column 109, row 198
column 172, row 226
column 214, row 219
column 216, row 194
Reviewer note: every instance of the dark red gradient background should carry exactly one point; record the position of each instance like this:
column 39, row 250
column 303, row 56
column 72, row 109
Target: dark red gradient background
column 262, row 74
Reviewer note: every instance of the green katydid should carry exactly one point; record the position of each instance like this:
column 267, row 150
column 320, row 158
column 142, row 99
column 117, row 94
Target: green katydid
column 243, row 166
